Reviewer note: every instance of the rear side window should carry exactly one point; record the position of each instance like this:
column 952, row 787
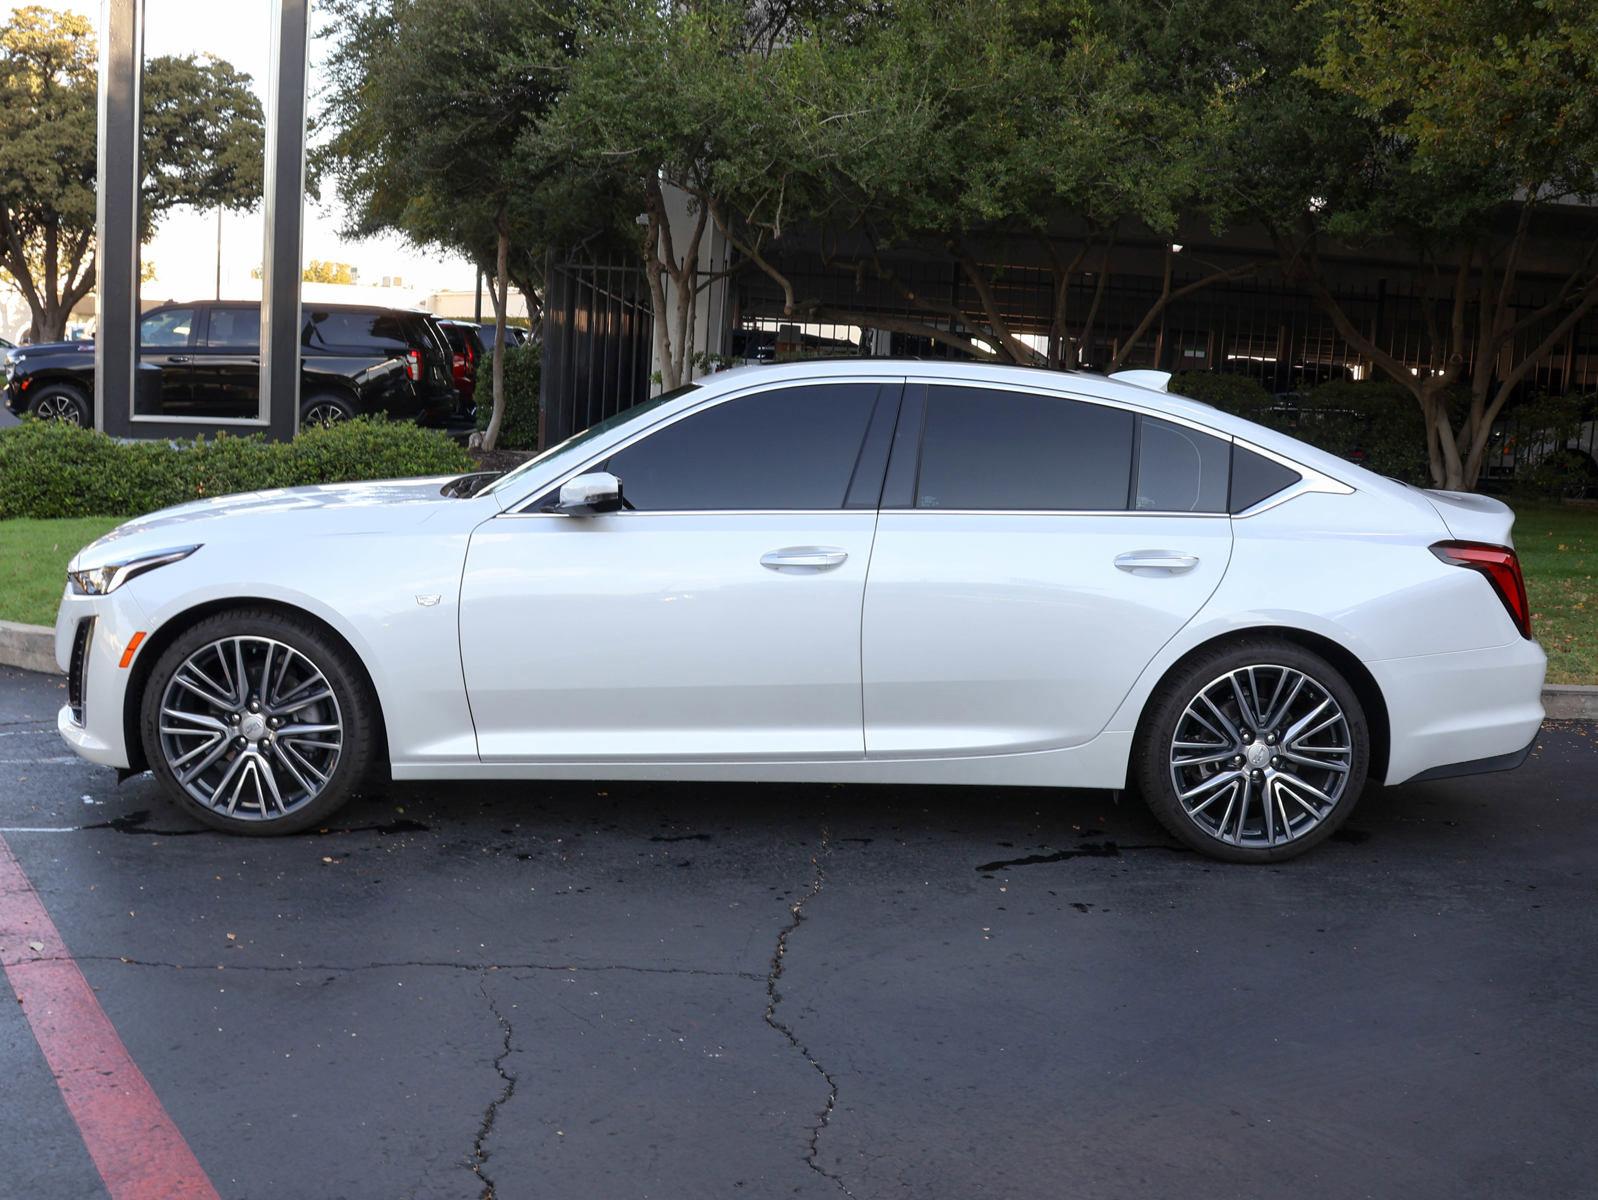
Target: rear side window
column 789, row 448
column 234, row 329
column 367, row 332
column 988, row 449
column 1256, row 478
column 1180, row 469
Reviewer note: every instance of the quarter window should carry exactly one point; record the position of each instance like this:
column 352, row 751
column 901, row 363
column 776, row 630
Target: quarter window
column 789, row 448
column 987, row 449
column 1256, row 478
column 1180, row 469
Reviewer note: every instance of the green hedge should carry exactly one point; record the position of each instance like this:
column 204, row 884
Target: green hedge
column 1236, row 394
column 519, row 430
column 50, row 469
column 1375, row 422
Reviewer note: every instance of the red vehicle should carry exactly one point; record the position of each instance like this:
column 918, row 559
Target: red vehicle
column 468, row 348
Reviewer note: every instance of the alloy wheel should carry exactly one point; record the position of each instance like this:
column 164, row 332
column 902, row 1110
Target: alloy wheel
column 323, row 413
column 1261, row 756
column 58, row 408
column 250, row 728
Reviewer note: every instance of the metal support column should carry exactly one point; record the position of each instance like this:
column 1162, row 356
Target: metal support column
column 285, row 205
column 117, row 213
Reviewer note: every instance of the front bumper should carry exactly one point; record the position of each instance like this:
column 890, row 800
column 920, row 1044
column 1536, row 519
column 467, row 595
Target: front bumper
column 98, row 684
column 1447, row 711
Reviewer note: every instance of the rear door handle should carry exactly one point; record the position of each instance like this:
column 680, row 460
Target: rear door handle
column 1165, row 562
column 176, row 359
column 804, row 558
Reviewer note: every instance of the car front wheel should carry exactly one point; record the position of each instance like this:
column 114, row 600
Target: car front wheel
column 1253, row 752
column 258, row 722
column 61, row 402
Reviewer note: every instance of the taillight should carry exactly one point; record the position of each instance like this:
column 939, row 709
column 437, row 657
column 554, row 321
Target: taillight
column 413, row 366
column 1501, row 567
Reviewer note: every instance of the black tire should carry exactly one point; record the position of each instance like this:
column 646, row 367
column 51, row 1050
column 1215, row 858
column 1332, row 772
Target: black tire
column 320, row 409
column 62, row 402
column 353, row 705
column 1158, row 763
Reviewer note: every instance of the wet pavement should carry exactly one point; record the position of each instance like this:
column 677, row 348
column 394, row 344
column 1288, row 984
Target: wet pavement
column 628, row 990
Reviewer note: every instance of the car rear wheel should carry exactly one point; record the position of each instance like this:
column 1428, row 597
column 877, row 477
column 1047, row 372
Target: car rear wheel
column 61, row 402
column 1253, row 752
column 325, row 410
column 258, row 722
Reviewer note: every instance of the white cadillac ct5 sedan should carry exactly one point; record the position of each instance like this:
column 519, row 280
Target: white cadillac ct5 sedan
column 866, row 570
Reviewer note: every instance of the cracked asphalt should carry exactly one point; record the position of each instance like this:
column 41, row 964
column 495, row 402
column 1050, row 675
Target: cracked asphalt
column 626, row 990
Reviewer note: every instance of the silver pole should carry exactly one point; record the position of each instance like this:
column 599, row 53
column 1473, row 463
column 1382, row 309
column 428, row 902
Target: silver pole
column 285, row 204
column 116, row 344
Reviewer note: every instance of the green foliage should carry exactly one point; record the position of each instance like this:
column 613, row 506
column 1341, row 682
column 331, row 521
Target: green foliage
column 57, row 470
column 1546, row 441
column 1375, row 422
column 519, row 431
column 1237, row 394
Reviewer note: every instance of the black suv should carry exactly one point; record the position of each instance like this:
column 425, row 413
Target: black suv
column 204, row 360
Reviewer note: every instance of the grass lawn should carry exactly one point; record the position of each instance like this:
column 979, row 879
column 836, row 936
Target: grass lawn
column 1558, row 548
column 33, row 563
column 1559, row 552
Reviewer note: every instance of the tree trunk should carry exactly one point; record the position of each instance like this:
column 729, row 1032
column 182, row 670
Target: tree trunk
column 499, row 292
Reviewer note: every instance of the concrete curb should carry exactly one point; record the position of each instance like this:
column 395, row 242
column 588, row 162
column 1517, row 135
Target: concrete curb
column 1570, row 702
column 32, row 647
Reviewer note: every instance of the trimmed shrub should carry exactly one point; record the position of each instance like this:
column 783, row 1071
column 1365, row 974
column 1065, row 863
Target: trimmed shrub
column 48, row 469
column 519, row 430
column 1376, row 423
column 1237, row 394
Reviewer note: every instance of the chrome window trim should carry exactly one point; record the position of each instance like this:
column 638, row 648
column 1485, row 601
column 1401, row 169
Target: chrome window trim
column 1311, row 481
column 704, row 405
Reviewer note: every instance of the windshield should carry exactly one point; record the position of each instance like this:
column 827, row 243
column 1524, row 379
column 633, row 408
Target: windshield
column 508, row 480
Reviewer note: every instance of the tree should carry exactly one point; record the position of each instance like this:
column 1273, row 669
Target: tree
column 202, row 146
column 1453, row 130
column 438, row 164
column 328, row 272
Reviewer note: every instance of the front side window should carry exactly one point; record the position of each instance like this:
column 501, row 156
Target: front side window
column 171, row 327
column 996, row 450
column 789, row 448
column 234, row 329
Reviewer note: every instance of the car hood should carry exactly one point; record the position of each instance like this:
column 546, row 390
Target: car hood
column 381, row 507
column 53, row 347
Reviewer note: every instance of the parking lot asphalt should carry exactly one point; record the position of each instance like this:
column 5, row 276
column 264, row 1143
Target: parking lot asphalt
column 629, row 990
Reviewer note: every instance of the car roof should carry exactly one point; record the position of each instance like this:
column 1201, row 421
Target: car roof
column 316, row 306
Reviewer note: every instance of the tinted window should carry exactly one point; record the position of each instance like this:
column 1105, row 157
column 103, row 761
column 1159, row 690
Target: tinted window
column 1256, row 478
column 790, row 448
column 1180, row 469
column 238, row 328
column 1014, row 450
column 168, row 328
column 456, row 337
column 364, row 331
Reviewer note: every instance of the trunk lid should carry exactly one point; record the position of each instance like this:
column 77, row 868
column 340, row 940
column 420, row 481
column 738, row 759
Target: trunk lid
column 1473, row 518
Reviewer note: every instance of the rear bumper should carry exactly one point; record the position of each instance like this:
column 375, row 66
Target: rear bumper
column 1456, row 713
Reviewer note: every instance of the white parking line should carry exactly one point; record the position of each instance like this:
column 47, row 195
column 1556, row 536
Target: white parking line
column 28, row 762
column 41, row 829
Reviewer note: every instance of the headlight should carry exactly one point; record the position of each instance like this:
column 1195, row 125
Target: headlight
column 97, row 581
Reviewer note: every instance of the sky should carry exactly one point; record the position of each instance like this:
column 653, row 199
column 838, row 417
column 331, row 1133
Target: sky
column 184, row 249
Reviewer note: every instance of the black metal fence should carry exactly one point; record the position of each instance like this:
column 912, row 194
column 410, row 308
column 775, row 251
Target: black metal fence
column 598, row 331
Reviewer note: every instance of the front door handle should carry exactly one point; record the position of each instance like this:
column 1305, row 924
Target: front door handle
column 177, row 359
column 1163, row 562
column 804, row 558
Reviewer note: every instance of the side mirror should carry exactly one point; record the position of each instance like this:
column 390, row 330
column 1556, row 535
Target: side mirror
column 589, row 495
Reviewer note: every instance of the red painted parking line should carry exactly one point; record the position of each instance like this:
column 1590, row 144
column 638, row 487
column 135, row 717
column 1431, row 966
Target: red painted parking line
column 134, row 1144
